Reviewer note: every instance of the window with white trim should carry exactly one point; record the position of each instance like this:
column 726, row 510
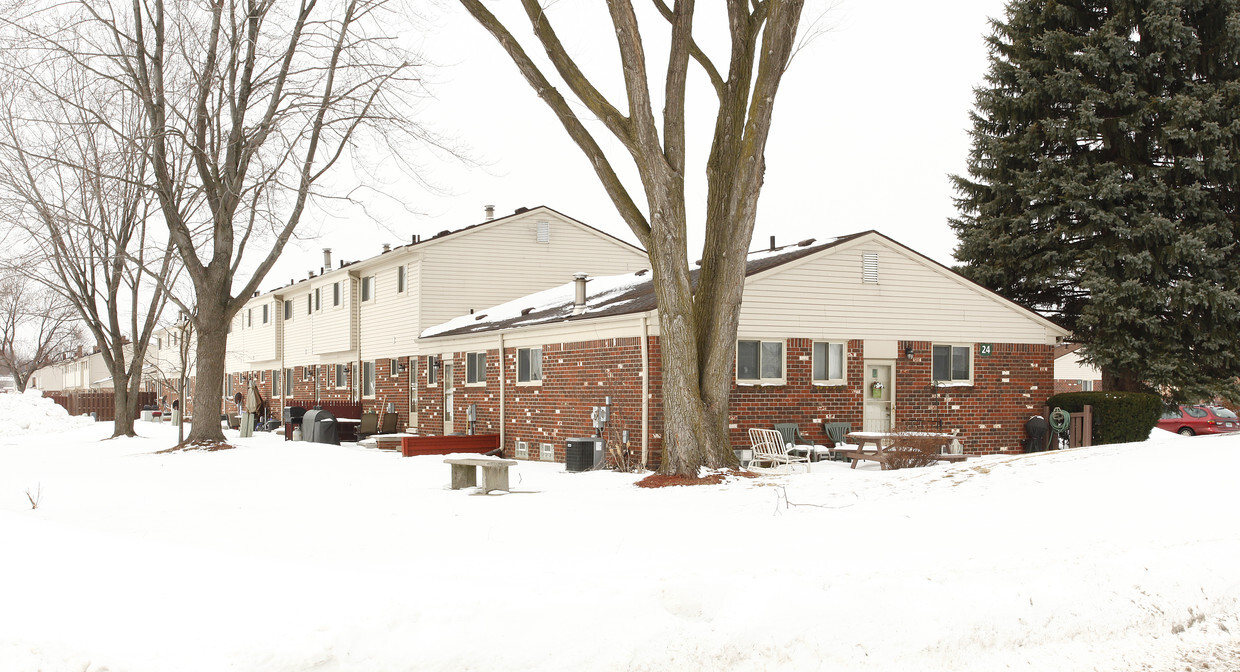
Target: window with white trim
column 368, row 379
column 249, row 317
column 307, row 373
column 266, row 309
column 288, row 382
column 309, row 303
column 342, row 376
column 828, row 363
column 529, row 365
column 368, row 288
column 760, row 362
column 335, row 293
column 288, row 309
column 952, row 363
column 432, row 371
column 400, row 279
column 318, row 299
column 475, row 368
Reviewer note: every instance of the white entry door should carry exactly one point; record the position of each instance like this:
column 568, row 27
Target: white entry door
column 879, row 396
column 449, row 398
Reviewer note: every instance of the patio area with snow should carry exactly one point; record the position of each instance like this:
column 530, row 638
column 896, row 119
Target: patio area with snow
column 281, row 556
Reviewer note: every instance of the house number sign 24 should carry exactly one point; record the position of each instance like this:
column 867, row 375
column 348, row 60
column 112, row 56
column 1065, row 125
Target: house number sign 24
column 984, row 349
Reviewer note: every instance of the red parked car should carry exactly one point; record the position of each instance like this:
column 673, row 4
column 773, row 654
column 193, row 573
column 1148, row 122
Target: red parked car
column 1190, row 420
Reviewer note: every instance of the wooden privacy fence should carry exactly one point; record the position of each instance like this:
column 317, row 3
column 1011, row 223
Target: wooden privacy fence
column 100, row 402
column 1080, row 427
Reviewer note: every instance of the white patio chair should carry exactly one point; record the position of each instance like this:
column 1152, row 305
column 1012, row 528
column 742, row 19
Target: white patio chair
column 771, row 453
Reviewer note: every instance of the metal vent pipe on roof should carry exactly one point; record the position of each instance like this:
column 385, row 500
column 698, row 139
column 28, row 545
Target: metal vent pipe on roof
column 772, row 243
column 387, row 247
column 327, row 259
column 490, row 210
column 579, row 293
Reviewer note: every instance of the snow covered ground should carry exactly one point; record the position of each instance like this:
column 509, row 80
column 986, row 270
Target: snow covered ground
column 283, row 556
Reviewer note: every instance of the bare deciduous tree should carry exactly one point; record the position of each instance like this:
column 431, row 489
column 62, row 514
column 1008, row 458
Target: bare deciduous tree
column 36, row 326
column 73, row 180
column 261, row 99
column 697, row 322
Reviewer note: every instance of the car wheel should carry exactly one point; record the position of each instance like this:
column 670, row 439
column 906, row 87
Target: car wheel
column 1186, row 431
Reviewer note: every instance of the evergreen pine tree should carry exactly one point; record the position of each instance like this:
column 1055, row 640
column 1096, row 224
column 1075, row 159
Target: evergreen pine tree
column 1104, row 182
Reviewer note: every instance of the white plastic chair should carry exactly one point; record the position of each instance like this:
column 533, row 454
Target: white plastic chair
column 769, row 449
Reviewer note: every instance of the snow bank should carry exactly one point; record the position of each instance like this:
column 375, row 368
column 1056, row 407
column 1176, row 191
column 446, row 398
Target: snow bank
column 286, row 557
column 32, row 413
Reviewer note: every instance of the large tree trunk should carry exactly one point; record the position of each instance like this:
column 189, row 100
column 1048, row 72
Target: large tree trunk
column 211, row 326
column 124, row 407
column 695, row 427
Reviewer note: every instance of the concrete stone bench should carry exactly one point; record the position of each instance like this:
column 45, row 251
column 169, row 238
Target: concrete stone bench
column 494, row 473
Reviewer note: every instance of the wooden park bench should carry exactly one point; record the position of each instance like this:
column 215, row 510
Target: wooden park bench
column 494, row 472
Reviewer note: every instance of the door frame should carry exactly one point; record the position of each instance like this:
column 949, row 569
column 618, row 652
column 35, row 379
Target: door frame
column 891, row 387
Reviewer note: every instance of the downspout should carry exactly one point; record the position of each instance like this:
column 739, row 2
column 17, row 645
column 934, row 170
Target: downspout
column 279, row 321
column 645, row 393
column 501, row 392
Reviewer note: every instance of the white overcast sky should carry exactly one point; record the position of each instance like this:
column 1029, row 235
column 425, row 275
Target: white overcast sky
column 870, row 121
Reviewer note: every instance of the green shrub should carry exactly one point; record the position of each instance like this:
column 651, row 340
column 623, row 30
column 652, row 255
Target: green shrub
column 1119, row 417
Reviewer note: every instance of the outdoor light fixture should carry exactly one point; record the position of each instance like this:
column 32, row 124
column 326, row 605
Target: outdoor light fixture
column 908, row 351
column 402, row 367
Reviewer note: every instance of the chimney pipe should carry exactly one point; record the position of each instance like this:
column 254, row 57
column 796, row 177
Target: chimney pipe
column 327, row 259
column 387, row 247
column 579, row 294
column 772, row 243
column 490, row 210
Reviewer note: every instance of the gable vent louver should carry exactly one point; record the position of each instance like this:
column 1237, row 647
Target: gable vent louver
column 869, row 267
column 544, row 232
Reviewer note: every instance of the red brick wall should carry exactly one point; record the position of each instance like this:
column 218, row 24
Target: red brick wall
column 1008, row 386
column 575, row 378
column 391, row 387
column 798, row 400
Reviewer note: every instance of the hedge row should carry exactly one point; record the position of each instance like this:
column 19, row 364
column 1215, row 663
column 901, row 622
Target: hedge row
column 1119, row 417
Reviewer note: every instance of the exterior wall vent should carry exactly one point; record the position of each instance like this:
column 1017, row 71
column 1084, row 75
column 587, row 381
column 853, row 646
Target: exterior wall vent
column 869, row 267
column 523, row 450
column 544, row 232
column 546, row 452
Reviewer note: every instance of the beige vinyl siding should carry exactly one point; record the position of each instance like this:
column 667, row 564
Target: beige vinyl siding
column 330, row 324
column 824, row 296
column 387, row 321
column 257, row 342
column 498, row 263
column 1070, row 367
column 298, row 331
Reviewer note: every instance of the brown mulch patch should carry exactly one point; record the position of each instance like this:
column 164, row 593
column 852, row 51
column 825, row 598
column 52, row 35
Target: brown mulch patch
column 667, row 480
column 197, row 445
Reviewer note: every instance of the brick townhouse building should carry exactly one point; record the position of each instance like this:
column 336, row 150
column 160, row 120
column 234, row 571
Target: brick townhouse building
column 348, row 332
column 859, row 329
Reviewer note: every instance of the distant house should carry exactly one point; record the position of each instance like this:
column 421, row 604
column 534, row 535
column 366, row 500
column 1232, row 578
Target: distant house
column 1074, row 374
column 79, row 371
column 349, row 332
column 860, row 329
